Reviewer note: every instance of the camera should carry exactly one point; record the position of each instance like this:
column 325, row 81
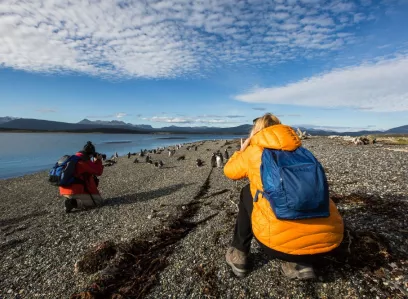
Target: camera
column 97, row 154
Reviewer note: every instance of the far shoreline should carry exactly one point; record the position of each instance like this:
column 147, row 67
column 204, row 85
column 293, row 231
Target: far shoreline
column 45, row 170
column 121, row 132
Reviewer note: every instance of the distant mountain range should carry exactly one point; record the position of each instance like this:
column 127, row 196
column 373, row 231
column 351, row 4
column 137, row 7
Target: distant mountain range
column 25, row 124
column 6, row 119
column 113, row 123
column 85, row 125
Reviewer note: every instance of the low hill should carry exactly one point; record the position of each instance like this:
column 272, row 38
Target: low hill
column 398, row 130
column 88, row 127
column 85, row 125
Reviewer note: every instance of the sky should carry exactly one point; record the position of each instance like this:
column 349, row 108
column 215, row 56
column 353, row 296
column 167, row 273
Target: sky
column 339, row 65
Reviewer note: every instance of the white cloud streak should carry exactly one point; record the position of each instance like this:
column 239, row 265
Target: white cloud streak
column 381, row 87
column 189, row 120
column 168, row 38
column 116, row 115
column 121, row 114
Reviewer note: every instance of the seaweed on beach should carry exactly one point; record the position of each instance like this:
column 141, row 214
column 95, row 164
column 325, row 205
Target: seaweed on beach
column 135, row 266
column 373, row 246
column 209, row 278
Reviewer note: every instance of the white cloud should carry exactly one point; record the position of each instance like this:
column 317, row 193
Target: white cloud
column 204, row 119
column 359, row 17
column 340, row 7
column 165, row 119
column 164, row 38
column 121, row 114
column 381, row 86
column 116, row 115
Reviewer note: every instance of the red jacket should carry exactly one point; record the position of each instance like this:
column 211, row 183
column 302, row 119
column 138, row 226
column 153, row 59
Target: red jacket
column 84, row 170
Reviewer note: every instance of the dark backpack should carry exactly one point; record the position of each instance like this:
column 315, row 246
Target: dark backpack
column 62, row 174
column 295, row 184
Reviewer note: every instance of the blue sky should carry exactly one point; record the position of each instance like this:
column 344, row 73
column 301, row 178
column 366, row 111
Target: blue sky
column 339, row 65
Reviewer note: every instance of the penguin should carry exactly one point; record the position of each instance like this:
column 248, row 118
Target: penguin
column 150, row 162
column 226, row 155
column 219, row 161
column 156, row 164
column 147, row 159
column 161, row 164
column 220, row 155
column 141, row 153
column 181, row 158
column 213, row 160
column 136, row 160
column 154, row 151
column 116, row 155
column 128, row 155
column 195, row 148
column 199, row 162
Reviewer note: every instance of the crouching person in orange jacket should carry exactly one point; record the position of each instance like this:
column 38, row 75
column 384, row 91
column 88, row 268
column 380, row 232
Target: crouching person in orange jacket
column 84, row 193
column 295, row 241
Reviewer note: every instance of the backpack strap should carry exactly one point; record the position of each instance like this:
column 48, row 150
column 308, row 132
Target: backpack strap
column 257, row 194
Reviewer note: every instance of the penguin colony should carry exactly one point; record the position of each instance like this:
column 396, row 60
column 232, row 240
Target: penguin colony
column 216, row 160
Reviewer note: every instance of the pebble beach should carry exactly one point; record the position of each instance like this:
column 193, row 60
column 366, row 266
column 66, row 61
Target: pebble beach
column 163, row 232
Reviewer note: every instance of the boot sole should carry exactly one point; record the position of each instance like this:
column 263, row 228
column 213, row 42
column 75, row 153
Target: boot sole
column 305, row 275
column 238, row 272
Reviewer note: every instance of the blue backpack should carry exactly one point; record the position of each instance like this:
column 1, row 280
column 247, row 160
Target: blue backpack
column 62, row 174
column 295, row 184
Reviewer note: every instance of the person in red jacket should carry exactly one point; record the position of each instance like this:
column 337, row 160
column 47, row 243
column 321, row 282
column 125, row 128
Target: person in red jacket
column 85, row 193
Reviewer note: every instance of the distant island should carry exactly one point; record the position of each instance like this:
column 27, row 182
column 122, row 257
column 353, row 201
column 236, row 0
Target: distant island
column 27, row 125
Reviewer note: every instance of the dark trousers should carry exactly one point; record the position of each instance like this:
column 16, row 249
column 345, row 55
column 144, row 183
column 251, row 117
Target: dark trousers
column 243, row 232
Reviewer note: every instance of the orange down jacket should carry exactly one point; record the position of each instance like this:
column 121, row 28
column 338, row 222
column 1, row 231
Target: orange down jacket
column 297, row 237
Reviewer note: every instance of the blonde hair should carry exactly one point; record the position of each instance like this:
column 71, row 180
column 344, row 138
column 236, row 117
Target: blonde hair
column 267, row 120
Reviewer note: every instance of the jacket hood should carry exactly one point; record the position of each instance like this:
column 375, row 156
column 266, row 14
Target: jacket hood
column 279, row 137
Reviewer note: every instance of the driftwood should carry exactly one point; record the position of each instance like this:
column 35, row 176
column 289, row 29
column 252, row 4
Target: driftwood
column 302, row 135
column 363, row 140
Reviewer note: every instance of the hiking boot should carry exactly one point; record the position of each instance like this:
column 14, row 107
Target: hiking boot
column 237, row 260
column 300, row 271
column 68, row 205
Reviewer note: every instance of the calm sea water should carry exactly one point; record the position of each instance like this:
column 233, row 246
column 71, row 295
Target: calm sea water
column 24, row 153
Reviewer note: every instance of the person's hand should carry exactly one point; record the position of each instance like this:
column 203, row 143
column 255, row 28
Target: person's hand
column 245, row 144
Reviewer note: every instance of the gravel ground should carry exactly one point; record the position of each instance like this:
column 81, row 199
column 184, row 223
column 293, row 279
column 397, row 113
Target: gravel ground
column 195, row 209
